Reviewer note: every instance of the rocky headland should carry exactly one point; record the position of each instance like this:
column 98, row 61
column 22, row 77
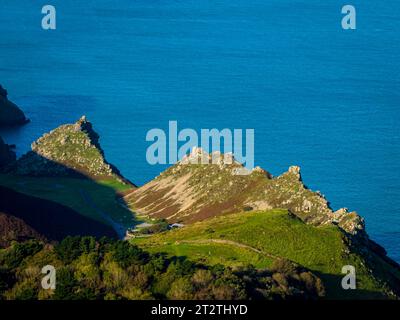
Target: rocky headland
column 69, row 150
column 10, row 113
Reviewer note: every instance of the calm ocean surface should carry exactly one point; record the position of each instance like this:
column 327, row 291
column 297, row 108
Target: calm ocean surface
column 317, row 96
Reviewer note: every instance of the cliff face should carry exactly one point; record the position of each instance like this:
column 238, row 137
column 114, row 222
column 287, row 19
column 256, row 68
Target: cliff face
column 190, row 192
column 10, row 114
column 7, row 155
column 69, row 150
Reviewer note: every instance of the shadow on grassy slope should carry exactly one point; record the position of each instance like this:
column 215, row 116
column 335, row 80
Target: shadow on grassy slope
column 58, row 201
column 50, row 219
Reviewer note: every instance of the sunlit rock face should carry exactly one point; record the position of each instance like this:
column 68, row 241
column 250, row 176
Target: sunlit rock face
column 71, row 149
column 204, row 185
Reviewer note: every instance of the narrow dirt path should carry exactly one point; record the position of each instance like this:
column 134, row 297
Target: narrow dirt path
column 232, row 243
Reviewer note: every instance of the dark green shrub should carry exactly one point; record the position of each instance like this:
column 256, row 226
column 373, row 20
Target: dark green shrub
column 126, row 254
column 19, row 252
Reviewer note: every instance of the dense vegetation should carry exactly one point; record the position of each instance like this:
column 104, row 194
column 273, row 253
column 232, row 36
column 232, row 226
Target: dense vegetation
column 113, row 269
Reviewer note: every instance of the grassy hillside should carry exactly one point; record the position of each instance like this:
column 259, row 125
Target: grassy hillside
column 261, row 237
column 116, row 270
column 90, row 198
column 50, row 220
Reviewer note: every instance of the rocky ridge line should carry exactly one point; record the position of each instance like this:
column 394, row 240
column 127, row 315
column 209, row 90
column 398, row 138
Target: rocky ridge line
column 191, row 191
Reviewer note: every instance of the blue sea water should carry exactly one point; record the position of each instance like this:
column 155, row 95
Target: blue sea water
column 317, row 96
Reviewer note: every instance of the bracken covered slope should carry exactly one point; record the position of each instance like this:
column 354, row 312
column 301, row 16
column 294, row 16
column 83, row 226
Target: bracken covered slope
column 189, row 192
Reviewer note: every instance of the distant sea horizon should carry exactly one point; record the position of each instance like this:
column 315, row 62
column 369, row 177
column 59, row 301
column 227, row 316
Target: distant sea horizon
column 317, row 96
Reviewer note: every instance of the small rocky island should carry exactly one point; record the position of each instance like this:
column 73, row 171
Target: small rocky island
column 10, row 113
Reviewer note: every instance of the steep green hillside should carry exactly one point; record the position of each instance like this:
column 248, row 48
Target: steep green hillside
column 261, row 237
column 93, row 199
column 26, row 217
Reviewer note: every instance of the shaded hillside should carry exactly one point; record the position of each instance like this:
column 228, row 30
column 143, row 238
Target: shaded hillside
column 10, row 114
column 50, row 219
column 7, row 155
column 189, row 192
column 15, row 229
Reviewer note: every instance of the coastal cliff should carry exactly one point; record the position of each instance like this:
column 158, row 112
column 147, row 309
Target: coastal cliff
column 10, row 114
column 69, row 150
column 7, row 155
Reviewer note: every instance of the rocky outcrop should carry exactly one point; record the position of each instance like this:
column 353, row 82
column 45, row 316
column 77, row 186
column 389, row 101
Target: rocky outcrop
column 7, row 155
column 191, row 191
column 10, row 114
column 69, row 150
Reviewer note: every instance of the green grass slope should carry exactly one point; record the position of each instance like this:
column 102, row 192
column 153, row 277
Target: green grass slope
column 259, row 238
column 93, row 199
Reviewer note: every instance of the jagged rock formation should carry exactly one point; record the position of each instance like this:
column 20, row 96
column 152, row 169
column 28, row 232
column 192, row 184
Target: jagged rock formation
column 10, row 114
column 190, row 191
column 7, row 155
column 69, row 150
